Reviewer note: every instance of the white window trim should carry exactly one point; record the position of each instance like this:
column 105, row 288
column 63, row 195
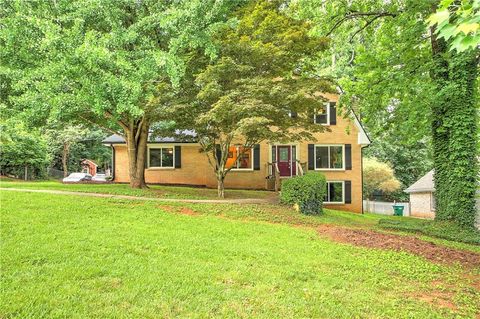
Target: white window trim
column 237, row 169
column 160, row 146
column 343, row 193
column 328, row 145
column 327, row 104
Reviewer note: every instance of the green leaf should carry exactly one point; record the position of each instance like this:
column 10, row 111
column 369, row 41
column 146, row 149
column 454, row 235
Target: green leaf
column 447, row 31
column 439, row 17
column 445, row 4
column 467, row 43
column 468, row 27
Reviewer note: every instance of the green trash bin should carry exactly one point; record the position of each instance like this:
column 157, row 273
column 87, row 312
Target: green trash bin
column 398, row 210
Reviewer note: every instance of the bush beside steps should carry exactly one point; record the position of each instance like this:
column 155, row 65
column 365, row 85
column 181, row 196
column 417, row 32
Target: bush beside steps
column 306, row 192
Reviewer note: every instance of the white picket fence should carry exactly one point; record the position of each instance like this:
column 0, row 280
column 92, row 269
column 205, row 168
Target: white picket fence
column 384, row 208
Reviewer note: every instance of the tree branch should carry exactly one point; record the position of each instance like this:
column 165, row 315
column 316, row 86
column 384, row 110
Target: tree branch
column 101, row 126
column 110, row 116
column 355, row 15
column 363, row 28
column 139, row 129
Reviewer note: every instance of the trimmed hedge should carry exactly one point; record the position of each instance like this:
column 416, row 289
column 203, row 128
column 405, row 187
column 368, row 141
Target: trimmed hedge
column 307, row 191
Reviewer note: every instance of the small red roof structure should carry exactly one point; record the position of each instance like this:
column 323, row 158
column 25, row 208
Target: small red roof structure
column 89, row 167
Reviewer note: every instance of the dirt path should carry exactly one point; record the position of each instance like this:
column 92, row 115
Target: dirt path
column 175, row 200
column 372, row 239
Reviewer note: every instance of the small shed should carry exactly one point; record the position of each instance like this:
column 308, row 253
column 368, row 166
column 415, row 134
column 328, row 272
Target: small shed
column 422, row 197
column 89, row 167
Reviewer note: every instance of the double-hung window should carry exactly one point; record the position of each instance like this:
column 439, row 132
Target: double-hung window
column 161, row 157
column 329, row 157
column 335, row 193
column 239, row 158
column 322, row 116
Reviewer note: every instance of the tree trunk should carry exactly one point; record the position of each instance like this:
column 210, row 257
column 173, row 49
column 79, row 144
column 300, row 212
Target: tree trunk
column 454, row 133
column 136, row 139
column 66, row 149
column 221, row 186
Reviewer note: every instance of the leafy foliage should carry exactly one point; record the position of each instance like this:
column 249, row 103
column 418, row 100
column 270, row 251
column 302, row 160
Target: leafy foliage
column 409, row 160
column 455, row 130
column 402, row 79
column 245, row 95
column 69, row 145
column 307, row 191
column 101, row 61
column 459, row 23
column 378, row 176
column 22, row 149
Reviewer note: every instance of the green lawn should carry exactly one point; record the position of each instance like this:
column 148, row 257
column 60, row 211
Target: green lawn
column 77, row 257
column 159, row 191
column 435, row 231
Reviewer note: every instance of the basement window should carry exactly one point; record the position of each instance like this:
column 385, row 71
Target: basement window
column 335, row 193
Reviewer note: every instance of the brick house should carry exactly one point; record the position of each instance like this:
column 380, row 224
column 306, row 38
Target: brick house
column 337, row 153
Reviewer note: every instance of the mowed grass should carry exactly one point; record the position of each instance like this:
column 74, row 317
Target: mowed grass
column 433, row 231
column 77, row 257
column 156, row 191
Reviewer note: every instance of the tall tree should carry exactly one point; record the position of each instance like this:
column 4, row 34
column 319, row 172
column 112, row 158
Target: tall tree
column 410, row 160
column 64, row 138
column 403, row 73
column 248, row 93
column 24, row 152
column 101, row 61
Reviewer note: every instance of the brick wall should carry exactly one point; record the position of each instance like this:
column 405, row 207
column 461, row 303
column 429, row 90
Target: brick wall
column 193, row 170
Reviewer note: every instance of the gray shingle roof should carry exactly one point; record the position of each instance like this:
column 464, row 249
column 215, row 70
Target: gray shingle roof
column 424, row 184
column 182, row 137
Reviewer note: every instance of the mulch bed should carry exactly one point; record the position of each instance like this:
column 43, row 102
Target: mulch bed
column 414, row 245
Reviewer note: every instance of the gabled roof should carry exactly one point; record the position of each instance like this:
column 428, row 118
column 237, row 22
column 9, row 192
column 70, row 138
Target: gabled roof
column 190, row 135
column 363, row 138
column 424, row 184
column 181, row 137
column 90, row 161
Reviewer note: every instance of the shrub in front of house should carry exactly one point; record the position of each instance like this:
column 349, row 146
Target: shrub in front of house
column 307, row 192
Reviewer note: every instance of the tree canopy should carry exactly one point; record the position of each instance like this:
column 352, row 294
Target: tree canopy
column 458, row 21
column 24, row 152
column 401, row 75
column 257, row 81
column 101, row 61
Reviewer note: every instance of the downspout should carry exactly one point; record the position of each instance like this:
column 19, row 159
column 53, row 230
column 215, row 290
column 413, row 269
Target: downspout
column 113, row 162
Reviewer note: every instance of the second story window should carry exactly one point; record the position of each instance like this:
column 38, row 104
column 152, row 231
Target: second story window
column 329, row 157
column 322, row 116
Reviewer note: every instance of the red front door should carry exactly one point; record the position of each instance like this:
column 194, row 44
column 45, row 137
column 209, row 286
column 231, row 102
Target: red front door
column 284, row 156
